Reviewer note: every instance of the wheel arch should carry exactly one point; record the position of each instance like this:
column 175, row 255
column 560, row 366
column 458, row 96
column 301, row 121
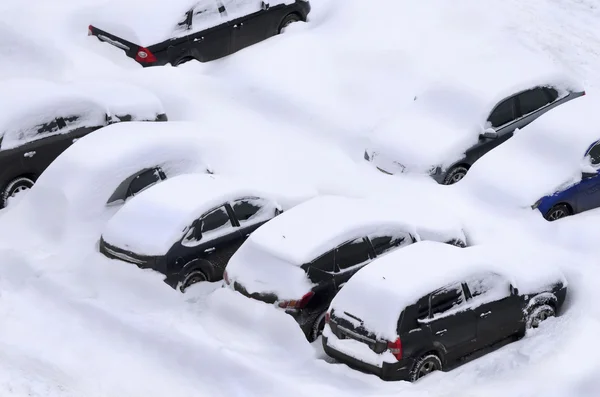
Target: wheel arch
column 198, row 264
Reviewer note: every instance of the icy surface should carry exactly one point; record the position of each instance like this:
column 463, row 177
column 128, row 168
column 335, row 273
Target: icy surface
column 152, row 221
column 295, row 112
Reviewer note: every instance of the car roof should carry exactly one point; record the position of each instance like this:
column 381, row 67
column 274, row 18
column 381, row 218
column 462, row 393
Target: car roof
column 157, row 217
column 322, row 223
column 402, row 277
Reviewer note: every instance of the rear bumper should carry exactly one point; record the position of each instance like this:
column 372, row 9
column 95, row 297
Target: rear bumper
column 387, row 372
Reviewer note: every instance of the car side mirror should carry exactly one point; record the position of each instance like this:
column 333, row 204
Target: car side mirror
column 489, row 133
column 264, row 6
column 513, row 290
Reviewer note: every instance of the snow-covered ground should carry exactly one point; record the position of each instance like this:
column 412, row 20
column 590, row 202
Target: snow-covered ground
column 294, row 112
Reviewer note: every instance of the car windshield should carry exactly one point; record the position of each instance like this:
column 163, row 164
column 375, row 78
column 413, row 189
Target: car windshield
column 450, row 104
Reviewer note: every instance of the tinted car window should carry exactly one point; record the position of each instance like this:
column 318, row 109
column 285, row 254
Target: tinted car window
column 503, row 113
column 144, row 180
column 324, row 262
column 216, row 220
column 488, row 284
column 351, row 254
column 551, row 93
column 446, row 298
column 383, row 243
column 246, row 209
column 532, row 100
column 594, row 154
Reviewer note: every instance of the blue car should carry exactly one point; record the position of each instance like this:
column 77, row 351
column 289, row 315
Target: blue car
column 578, row 197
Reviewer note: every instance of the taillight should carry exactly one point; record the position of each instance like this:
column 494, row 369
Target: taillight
column 297, row 304
column 145, row 56
column 396, row 348
column 90, row 30
column 226, row 277
column 327, row 318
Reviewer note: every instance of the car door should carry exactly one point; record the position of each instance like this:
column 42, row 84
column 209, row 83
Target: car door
column 588, row 190
column 249, row 20
column 211, row 37
column 349, row 258
column 533, row 103
column 452, row 325
column 251, row 213
column 498, row 311
column 217, row 240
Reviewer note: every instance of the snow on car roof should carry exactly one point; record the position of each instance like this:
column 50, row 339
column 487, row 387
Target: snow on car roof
column 545, row 156
column 446, row 118
column 379, row 292
column 150, row 222
column 88, row 172
column 29, row 103
column 149, row 22
column 123, row 99
column 310, row 229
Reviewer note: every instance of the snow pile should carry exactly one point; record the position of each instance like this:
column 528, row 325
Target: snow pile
column 152, row 221
column 546, row 156
column 427, row 266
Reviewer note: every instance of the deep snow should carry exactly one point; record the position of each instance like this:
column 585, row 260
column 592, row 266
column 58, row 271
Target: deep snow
column 294, row 111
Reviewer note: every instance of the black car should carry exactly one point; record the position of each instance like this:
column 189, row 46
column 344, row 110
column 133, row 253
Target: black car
column 209, row 30
column 429, row 307
column 47, row 118
column 299, row 261
column 446, row 129
column 186, row 227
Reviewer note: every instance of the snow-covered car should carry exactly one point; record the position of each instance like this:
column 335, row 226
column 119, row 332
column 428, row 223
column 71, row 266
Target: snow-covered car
column 187, row 227
column 42, row 119
column 448, row 127
column 301, row 259
column 178, row 31
column 554, row 165
column 426, row 307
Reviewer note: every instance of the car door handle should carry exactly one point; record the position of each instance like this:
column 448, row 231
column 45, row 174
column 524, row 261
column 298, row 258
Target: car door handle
column 210, row 250
column 199, row 39
column 75, row 140
column 29, row 154
column 485, row 314
column 441, row 332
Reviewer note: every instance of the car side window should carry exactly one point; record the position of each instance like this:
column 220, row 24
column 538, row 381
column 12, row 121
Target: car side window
column 446, row 298
column 383, row 243
column 251, row 210
column 144, row 180
column 488, row 287
column 504, row 113
column 594, row 154
column 239, row 8
column 216, row 222
column 351, row 254
column 325, row 262
column 532, row 100
column 551, row 93
column 206, row 15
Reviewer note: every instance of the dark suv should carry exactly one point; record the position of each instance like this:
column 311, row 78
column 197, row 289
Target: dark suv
column 300, row 270
column 209, row 30
column 476, row 312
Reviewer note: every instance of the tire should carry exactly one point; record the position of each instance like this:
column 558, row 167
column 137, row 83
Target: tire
column 317, row 327
column 287, row 21
column 538, row 314
column 183, row 60
column 193, row 277
column 13, row 187
column 557, row 212
column 424, row 366
column 455, row 175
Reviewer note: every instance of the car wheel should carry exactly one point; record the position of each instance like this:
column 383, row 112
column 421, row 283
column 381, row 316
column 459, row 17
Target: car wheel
column 557, row 212
column 538, row 314
column 14, row 187
column 455, row 175
column 183, row 60
column 287, row 21
column 424, row 366
column 317, row 327
column 193, row 277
